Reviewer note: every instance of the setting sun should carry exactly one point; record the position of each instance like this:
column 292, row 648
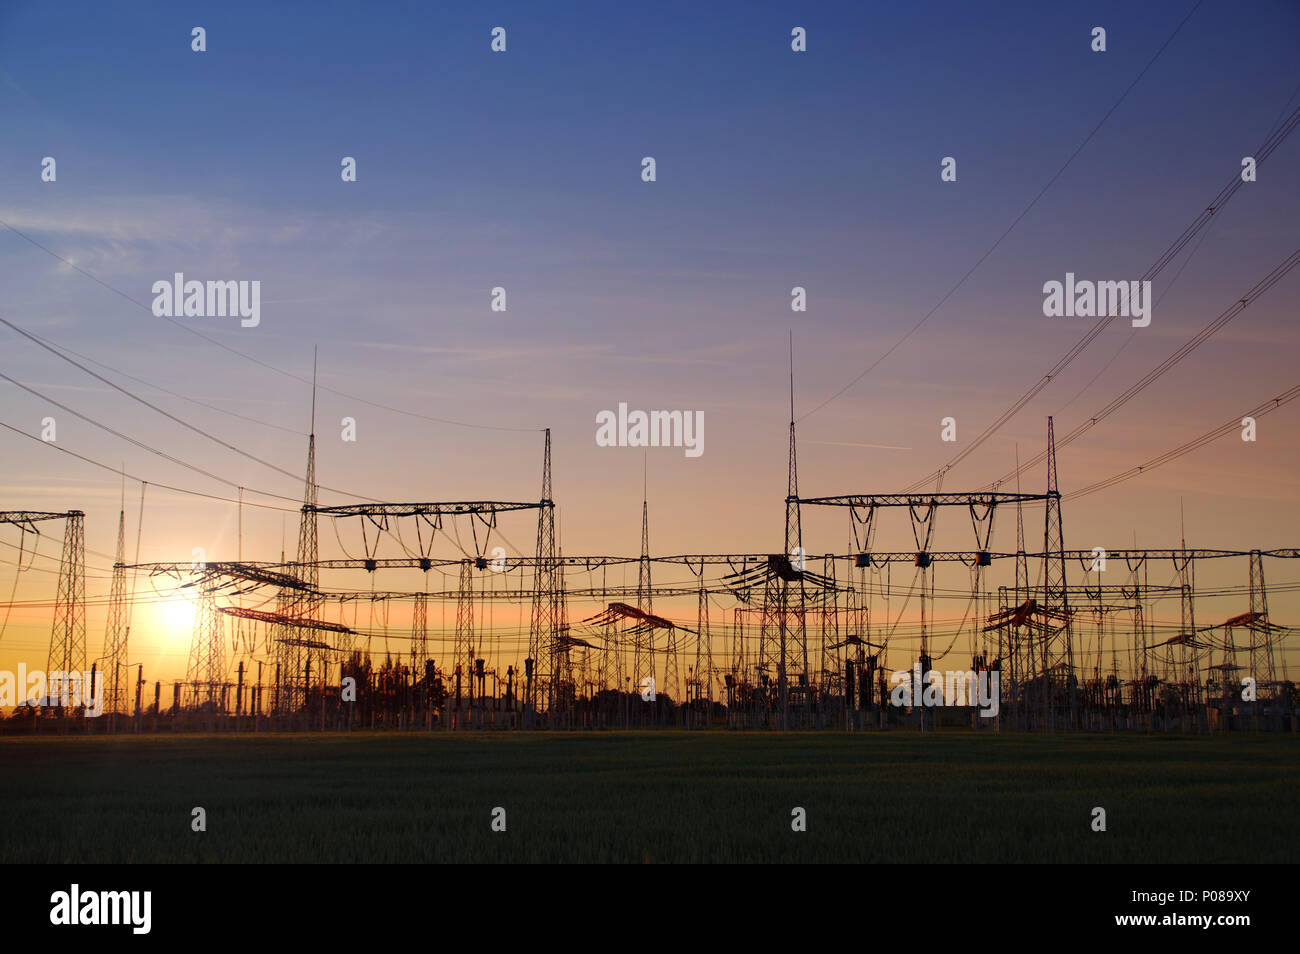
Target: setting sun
column 175, row 617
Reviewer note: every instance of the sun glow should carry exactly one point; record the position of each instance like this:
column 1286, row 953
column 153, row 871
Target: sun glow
column 175, row 617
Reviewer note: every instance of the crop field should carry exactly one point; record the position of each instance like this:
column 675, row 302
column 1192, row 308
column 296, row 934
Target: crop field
column 663, row 796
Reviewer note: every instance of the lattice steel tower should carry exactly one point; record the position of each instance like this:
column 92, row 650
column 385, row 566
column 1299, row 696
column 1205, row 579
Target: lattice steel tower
column 68, row 635
column 293, row 653
column 464, row 651
column 543, row 631
column 419, row 634
column 116, row 633
column 783, row 643
column 1262, row 634
column 205, row 673
column 1058, row 652
column 643, row 666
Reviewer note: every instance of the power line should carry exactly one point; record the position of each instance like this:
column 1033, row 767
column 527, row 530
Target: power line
column 175, row 394
column 54, row 559
column 1172, row 282
column 247, row 357
column 131, row 440
column 1274, row 140
column 153, row 407
column 1228, row 427
column 1262, row 286
column 1016, row 221
column 120, row 471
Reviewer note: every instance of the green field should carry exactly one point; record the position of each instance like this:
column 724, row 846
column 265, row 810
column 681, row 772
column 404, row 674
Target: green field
column 650, row 796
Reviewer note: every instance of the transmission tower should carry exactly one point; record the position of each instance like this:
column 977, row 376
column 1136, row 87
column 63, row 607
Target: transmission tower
column 1191, row 674
column 293, row 649
column 419, row 633
column 68, row 636
column 464, row 652
column 205, row 673
column 543, row 629
column 1058, row 654
column 704, row 649
column 831, row 670
column 564, row 685
column 115, row 635
column 783, row 643
column 792, row 618
column 672, row 668
column 1020, row 669
column 1261, row 633
column 643, row 666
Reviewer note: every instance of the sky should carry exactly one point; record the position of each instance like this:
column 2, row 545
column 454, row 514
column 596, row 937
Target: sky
column 523, row 170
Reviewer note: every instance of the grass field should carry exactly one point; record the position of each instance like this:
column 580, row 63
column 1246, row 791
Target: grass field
column 652, row 796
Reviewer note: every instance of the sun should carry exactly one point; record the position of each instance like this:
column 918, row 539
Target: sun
column 176, row 617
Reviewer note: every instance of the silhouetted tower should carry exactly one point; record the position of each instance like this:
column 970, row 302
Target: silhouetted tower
column 206, row 671
column 543, row 628
column 464, row 652
column 419, row 633
column 308, row 570
column 783, row 643
column 672, row 665
column 1020, row 668
column 794, row 637
column 610, row 672
column 564, row 682
column 68, row 635
column 703, row 646
column 1058, row 653
column 643, row 666
column 1261, row 632
column 1191, row 672
column 116, row 678
column 831, row 670
column 293, row 654
column 308, row 548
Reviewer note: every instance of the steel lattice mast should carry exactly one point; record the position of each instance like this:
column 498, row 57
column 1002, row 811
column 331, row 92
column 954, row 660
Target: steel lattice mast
column 643, row 666
column 293, row 653
column 419, row 634
column 783, row 635
column 206, row 671
column 543, row 629
column 67, row 652
column 1262, row 666
column 68, row 635
column 1058, row 653
column 1020, row 667
column 463, row 653
column 116, row 632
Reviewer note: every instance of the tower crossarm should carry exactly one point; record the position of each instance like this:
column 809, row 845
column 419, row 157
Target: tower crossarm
column 858, row 501
column 451, row 508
